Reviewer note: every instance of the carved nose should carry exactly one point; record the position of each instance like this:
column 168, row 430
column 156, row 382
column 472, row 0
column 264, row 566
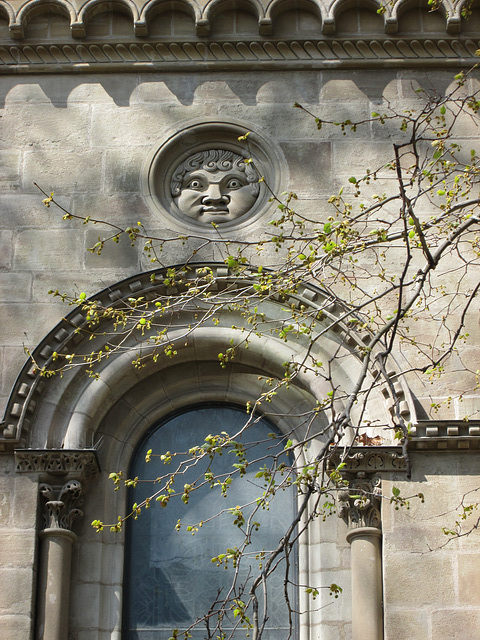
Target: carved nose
column 214, row 197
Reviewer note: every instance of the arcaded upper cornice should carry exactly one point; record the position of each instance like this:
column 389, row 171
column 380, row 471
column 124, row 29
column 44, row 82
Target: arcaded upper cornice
column 273, row 39
column 203, row 12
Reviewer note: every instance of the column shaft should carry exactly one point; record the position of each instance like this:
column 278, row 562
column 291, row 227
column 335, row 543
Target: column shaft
column 54, row 583
column 366, row 568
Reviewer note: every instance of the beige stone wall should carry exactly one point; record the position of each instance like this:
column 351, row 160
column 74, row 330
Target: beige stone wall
column 431, row 585
column 88, row 137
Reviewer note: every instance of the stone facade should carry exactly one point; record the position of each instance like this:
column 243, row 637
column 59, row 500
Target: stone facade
column 92, row 95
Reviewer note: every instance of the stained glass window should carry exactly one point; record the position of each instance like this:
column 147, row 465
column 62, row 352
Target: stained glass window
column 170, row 579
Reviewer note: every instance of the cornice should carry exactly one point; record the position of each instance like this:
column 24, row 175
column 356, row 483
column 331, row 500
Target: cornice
column 81, row 463
column 445, row 435
column 152, row 56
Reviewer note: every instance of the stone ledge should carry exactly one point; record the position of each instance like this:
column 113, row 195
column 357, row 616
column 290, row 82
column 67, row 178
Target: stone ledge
column 57, row 462
column 268, row 54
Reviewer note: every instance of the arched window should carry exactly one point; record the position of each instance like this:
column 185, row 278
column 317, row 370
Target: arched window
column 170, row 579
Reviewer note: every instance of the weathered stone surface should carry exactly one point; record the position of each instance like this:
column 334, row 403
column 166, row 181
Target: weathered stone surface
column 15, row 287
column 53, row 249
column 458, row 624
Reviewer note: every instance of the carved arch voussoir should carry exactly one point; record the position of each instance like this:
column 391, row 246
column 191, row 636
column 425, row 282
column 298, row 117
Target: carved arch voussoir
column 66, row 411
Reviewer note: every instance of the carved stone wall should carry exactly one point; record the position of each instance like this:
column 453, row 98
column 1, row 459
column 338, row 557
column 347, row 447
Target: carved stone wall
column 96, row 99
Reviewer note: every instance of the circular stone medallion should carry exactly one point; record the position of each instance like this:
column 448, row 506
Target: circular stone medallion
column 203, row 178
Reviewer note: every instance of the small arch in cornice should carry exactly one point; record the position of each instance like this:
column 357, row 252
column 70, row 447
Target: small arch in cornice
column 467, row 16
column 43, row 8
column 167, row 17
column 94, row 8
column 214, row 9
column 358, row 17
column 416, row 17
column 295, row 17
column 339, row 7
column 6, row 11
column 7, row 17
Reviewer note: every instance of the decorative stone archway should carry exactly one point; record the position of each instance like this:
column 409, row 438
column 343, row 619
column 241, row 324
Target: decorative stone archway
column 55, row 422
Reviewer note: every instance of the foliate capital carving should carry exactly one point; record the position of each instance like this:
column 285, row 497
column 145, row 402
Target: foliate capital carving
column 358, row 503
column 62, row 504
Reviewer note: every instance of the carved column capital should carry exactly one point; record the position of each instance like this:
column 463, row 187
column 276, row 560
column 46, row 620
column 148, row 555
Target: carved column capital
column 62, row 504
column 358, row 503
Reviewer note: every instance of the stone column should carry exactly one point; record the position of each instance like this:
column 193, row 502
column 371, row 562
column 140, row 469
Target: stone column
column 360, row 507
column 60, row 474
column 56, row 539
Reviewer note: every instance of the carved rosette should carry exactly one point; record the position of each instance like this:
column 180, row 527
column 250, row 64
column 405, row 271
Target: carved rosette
column 62, row 504
column 359, row 502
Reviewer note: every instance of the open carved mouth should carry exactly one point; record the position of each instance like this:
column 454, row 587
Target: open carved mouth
column 215, row 210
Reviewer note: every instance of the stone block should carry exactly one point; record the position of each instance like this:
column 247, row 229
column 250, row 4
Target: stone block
column 123, row 171
column 16, row 591
column 5, row 501
column 310, row 166
column 53, row 250
column 407, row 624
column 32, row 322
column 335, row 609
column 139, row 125
column 455, row 624
column 377, row 88
column 12, row 360
column 63, row 172
column 6, row 243
column 352, row 158
column 46, row 128
column 290, row 88
column 107, row 89
column 16, row 627
column 24, row 508
column 28, row 210
column 15, row 287
column 413, row 580
column 121, row 254
column 85, row 605
column 330, row 555
column 152, row 91
column 17, row 548
column 467, row 406
column 9, row 170
column 123, row 210
column 86, row 561
column 469, row 578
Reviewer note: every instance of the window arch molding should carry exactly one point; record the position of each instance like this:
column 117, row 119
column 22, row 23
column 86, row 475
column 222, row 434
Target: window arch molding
column 66, row 411
column 75, row 412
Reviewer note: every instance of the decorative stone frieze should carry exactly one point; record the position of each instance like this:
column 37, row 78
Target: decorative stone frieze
column 396, row 53
column 369, row 459
column 57, row 462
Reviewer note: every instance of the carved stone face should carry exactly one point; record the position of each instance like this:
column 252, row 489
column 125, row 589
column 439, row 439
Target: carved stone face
column 215, row 186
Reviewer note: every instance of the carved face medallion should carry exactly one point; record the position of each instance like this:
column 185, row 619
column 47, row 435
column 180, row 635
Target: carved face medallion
column 214, row 186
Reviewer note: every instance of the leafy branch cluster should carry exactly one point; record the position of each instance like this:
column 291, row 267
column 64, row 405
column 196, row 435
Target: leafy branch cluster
column 393, row 253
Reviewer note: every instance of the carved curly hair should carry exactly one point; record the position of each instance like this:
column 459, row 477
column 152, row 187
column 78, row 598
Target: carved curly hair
column 214, row 160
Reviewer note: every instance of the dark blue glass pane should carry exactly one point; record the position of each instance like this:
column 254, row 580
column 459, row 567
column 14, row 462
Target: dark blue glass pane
column 170, row 578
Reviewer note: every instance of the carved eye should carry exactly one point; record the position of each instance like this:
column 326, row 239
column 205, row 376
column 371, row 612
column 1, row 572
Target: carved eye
column 194, row 184
column 235, row 183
